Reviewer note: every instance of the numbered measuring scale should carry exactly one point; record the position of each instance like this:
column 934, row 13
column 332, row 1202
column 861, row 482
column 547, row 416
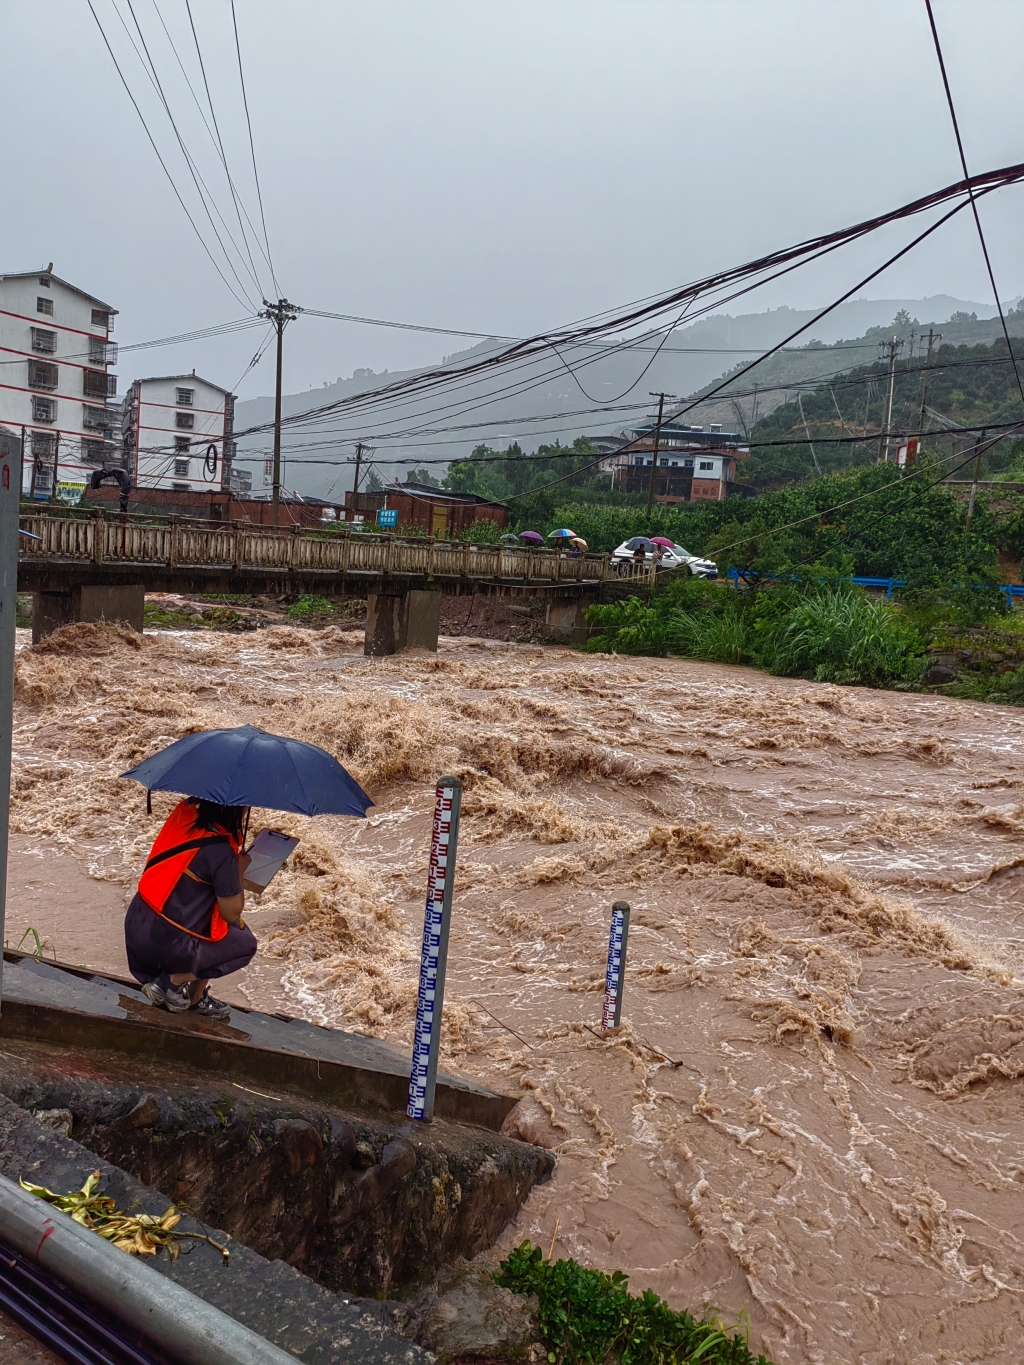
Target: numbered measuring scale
column 434, row 957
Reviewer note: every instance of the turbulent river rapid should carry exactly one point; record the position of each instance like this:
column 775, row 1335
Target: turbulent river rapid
column 811, row 1120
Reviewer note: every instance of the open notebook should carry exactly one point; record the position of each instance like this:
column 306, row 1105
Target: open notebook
column 268, row 852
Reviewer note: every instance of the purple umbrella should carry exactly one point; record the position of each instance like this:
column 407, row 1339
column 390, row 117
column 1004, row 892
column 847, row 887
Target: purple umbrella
column 534, row 537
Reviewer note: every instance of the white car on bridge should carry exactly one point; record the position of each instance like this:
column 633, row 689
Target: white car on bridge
column 672, row 557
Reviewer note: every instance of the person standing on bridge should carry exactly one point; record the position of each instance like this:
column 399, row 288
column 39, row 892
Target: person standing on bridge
column 184, row 926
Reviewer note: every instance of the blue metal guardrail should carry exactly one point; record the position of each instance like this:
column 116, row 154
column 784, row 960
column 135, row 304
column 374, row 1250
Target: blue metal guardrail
column 1012, row 590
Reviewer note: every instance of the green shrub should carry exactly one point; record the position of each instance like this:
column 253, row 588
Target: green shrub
column 588, row 1318
column 482, row 533
column 839, row 635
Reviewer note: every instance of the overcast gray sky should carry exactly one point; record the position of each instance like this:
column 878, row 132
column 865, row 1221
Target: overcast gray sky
column 496, row 165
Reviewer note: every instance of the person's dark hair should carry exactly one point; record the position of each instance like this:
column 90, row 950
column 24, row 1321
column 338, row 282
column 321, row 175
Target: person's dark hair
column 210, row 815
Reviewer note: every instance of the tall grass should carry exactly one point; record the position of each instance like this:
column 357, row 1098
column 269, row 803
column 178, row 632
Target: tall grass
column 831, row 633
column 839, row 635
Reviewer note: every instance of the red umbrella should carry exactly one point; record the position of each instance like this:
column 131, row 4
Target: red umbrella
column 663, row 540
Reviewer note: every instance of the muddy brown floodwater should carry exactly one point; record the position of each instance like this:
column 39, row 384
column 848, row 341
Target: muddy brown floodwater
column 812, row 1116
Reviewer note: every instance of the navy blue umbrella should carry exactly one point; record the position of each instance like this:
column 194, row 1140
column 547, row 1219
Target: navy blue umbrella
column 248, row 767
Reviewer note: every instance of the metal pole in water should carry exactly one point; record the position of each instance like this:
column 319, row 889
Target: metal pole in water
column 434, row 959
column 615, row 977
column 10, row 495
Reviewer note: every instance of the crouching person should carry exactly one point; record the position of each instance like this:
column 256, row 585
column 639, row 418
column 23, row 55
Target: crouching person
column 184, row 927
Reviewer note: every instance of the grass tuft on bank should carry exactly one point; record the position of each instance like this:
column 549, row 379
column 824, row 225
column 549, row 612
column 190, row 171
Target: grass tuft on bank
column 586, row 1317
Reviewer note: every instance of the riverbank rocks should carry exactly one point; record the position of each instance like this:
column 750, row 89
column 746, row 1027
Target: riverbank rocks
column 465, row 1314
column 365, row 1206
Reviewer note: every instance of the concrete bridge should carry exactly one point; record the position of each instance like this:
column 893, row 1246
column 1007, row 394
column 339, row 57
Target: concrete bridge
column 87, row 566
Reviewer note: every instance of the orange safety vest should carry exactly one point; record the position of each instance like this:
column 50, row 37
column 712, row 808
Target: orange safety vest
column 176, row 845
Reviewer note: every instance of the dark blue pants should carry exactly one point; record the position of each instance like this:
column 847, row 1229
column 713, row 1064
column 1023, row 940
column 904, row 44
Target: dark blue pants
column 155, row 947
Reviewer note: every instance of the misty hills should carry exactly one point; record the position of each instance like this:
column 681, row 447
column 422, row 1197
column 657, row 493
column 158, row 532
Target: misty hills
column 542, row 401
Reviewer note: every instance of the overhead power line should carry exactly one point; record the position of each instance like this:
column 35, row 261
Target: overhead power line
column 779, row 262
column 205, row 197
column 163, row 164
column 974, row 204
column 252, row 148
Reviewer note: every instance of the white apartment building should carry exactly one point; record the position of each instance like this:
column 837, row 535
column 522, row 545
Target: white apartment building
column 55, row 354
column 178, row 432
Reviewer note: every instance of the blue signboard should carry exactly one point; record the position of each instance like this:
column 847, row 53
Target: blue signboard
column 387, row 516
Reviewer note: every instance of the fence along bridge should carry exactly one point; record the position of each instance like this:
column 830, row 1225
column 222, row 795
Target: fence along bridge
column 91, row 566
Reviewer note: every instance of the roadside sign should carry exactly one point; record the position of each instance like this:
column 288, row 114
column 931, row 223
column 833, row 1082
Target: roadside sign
column 70, row 492
column 387, row 516
column 906, row 453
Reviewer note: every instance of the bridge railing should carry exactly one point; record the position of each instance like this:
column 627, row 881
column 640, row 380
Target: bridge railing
column 127, row 539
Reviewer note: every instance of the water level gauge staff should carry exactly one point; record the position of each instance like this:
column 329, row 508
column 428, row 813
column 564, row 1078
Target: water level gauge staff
column 184, row 927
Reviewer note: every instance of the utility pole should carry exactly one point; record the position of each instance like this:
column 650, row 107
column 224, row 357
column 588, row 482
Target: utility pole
column 893, row 349
column 978, row 447
column 933, row 337
column 359, row 460
column 807, row 431
column 280, row 314
column 657, row 445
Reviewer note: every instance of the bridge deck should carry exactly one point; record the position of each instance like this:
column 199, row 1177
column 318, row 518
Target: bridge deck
column 138, row 549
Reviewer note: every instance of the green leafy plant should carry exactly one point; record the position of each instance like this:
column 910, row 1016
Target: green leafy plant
column 586, row 1317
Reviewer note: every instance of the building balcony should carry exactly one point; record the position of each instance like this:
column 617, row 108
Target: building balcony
column 97, row 384
column 102, row 352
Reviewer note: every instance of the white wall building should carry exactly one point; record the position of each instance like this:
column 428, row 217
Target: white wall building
column 179, row 433
column 55, row 354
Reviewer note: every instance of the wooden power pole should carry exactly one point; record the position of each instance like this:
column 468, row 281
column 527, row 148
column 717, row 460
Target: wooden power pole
column 892, row 348
column 979, row 448
column 280, row 314
column 657, row 445
column 933, row 337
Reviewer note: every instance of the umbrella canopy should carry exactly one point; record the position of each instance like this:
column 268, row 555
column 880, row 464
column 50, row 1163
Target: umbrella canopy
column 637, row 541
column 579, row 542
column 564, row 534
column 509, row 539
column 533, row 536
column 248, row 767
column 663, row 540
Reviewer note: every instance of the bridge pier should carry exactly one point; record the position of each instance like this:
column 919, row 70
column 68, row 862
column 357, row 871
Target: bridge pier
column 87, row 602
column 401, row 620
column 563, row 618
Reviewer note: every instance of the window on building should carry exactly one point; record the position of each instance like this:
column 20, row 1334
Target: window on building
column 185, row 420
column 44, row 443
column 44, row 342
column 96, row 452
column 182, row 487
column 687, row 464
column 42, row 480
column 181, row 466
column 707, row 464
column 44, row 306
column 185, row 398
column 181, row 445
column 100, row 317
column 41, row 375
column 44, row 280
column 97, row 351
column 44, row 409
column 675, row 464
